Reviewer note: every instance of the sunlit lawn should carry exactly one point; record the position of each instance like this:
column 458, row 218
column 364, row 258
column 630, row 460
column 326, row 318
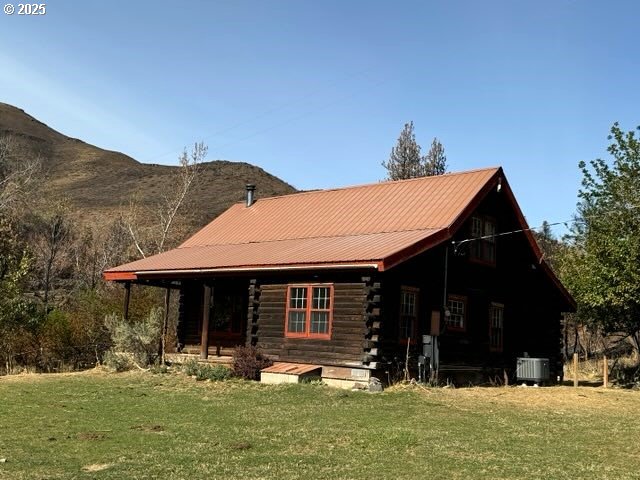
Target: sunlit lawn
column 139, row 425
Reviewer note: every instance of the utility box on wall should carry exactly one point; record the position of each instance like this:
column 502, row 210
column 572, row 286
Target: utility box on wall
column 532, row 369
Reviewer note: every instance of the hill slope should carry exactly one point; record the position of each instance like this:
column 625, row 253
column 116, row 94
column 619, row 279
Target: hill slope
column 99, row 182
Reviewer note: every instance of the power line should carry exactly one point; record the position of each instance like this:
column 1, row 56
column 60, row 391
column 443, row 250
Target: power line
column 457, row 243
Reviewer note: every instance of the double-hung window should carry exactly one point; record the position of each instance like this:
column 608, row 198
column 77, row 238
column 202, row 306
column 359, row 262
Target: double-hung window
column 407, row 330
column 457, row 317
column 484, row 248
column 309, row 311
column 496, row 327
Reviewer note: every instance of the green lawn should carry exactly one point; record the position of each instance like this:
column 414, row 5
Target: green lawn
column 138, row 425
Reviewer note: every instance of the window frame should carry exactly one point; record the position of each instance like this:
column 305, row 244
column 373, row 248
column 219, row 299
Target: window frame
column 496, row 348
column 308, row 309
column 465, row 314
column 414, row 337
column 479, row 249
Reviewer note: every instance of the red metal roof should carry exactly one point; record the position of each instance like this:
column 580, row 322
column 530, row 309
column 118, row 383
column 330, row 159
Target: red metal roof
column 370, row 225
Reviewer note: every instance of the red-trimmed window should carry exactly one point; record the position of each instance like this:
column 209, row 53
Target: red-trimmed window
column 309, row 311
column 407, row 326
column 457, row 318
column 496, row 327
column 484, row 249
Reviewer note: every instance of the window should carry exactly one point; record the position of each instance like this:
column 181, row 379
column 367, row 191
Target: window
column 457, row 306
column 309, row 311
column 408, row 314
column 496, row 327
column 484, row 249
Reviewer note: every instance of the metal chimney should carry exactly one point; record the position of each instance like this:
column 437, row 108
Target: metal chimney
column 250, row 194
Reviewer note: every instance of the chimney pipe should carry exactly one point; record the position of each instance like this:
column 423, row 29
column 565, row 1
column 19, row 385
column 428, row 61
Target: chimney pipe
column 250, row 191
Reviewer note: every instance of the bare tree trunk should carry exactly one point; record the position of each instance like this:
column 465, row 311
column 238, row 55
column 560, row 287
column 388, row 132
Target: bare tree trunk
column 165, row 324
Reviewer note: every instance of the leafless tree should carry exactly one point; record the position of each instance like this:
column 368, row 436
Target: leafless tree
column 52, row 234
column 154, row 238
column 16, row 178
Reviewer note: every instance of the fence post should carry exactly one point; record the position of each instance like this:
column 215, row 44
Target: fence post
column 575, row 369
column 605, row 372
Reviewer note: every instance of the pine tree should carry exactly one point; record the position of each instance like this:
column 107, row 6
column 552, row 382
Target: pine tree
column 435, row 161
column 405, row 160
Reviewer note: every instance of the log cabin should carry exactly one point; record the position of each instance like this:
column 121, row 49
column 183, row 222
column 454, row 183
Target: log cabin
column 352, row 282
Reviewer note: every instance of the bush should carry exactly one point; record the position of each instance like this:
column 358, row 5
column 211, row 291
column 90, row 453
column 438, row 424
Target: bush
column 141, row 339
column 119, row 362
column 248, row 361
column 627, row 376
column 190, row 367
column 215, row 373
column 56, row 342
column 205, row 371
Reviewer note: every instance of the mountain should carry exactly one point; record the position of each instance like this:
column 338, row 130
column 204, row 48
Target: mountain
column 98, row 183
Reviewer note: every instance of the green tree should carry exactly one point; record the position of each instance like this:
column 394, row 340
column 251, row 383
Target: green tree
column 435, row 161
column 15, row 318
column 602, row 269
column 405, row 160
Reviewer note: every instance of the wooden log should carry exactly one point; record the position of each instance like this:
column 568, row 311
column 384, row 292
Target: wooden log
column 575, row 369
column 206, row 307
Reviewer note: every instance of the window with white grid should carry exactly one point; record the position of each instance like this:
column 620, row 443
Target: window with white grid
column 457, row 306
column 309, row 311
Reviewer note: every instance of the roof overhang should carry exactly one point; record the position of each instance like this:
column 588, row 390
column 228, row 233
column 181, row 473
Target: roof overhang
column 119, row 276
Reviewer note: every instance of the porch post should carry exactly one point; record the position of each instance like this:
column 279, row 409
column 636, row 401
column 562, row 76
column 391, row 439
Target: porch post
column 204, row 340
column 127, row 297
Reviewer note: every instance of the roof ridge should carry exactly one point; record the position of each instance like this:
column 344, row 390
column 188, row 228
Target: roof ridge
column 372, row 184
column 317, row 236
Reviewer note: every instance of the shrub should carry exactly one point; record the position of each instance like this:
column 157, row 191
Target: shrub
column 215, row 373
column 248, row 361
column 205, row 371
column 627, row 376
column 117, row 361
column 56, row 341
column 141, row 339
column 190, row 367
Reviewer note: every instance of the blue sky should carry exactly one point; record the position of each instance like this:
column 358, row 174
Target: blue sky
column 317, row 92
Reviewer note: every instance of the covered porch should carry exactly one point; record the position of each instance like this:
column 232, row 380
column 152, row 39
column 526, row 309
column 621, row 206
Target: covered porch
column 212, row 315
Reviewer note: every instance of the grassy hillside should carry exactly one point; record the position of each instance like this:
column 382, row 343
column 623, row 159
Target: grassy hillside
column 98, row 182
column 136, row 425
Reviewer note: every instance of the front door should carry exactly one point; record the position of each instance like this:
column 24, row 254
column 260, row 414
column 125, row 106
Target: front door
column 227, row 323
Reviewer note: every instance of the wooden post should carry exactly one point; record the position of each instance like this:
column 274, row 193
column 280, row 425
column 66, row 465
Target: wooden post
column 575, row 369
column 204, row 339
column 605, row 368
column 127, row 297
column 165, row 323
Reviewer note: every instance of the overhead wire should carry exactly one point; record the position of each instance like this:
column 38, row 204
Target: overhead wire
column 457, row 243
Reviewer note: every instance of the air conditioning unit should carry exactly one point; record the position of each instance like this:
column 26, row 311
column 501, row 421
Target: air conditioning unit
column 532, row 369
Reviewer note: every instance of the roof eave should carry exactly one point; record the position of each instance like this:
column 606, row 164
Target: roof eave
column 141, row 274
